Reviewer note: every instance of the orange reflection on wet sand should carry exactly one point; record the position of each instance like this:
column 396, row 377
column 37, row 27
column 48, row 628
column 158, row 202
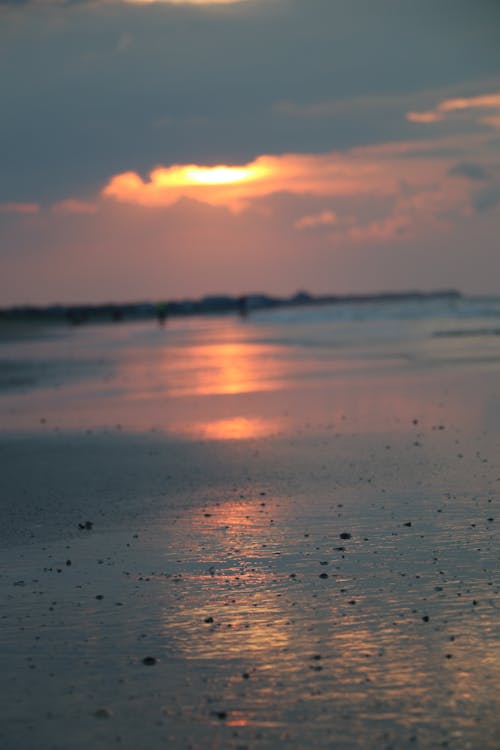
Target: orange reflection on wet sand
column 252, row 624
column 234, row 428
column 239, row 590
column 242, row 530
column 231, row 368
column 228, row 380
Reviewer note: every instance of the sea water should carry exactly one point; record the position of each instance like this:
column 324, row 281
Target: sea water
column 193, row 371
column 295, row 515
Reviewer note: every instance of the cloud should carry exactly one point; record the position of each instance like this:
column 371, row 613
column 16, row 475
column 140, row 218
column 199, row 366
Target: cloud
column 485, row 101
column 424, row 117
column 357, row 172
column 194, row 70
column 313, row 221
column 397, row 227
column 468, row 106
column 19, row 208
column 384, row 194
column 398, row 224
column 345, row 106
column 470, row 170
column 486, row 199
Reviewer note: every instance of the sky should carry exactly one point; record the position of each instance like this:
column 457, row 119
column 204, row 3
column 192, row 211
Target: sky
column 163, row 150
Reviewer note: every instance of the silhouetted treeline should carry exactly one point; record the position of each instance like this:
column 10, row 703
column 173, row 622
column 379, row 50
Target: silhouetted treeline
column 214, row 304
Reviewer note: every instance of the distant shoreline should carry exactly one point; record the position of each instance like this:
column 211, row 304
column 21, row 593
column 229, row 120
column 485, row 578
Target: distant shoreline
column 214, row 304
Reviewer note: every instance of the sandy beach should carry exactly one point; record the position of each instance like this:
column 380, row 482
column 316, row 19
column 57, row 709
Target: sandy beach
column 249, row 375
column 274, row 533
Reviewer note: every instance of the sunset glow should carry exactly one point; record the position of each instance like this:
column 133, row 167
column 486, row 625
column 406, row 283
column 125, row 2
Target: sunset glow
column 249, row 374
column 217, row 175
column 424, row 117
column 221, row 175
column 489, row 102
column 422, row 192
column 333, row 173
column 218, row 160
column 214, row 185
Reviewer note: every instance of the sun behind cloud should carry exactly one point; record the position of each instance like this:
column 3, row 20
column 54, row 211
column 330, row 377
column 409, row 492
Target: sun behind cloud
column 235, row 186
column 221, row 184
column 195, row 175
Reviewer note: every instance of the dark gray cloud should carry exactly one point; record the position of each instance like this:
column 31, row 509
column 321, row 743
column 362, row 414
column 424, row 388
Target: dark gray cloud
column 90, row 90
column 486, row 199
column 470, row 170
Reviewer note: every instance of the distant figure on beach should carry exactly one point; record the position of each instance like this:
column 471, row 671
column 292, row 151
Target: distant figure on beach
column 161, row 313
column 243, row 306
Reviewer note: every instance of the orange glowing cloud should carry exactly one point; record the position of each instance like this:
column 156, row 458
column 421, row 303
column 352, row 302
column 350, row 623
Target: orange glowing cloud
column 486, row 101
column 424, row 117
column 216, row 185
column 462, row 105
column 331, row 174
column 389, row 192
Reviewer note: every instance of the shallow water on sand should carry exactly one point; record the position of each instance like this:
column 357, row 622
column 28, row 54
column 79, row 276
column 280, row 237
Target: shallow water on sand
column 306, row 546
column 268, row 627
column 224, row 378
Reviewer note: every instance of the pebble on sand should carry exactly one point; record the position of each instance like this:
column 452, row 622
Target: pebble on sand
column 103, row 713
column 86, row 526
column 220, row 714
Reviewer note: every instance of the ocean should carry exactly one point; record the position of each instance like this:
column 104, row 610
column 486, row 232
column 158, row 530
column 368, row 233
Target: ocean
column 353, row 360
column 278, row 531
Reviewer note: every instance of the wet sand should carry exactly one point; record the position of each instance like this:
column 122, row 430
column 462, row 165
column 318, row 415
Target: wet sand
column 329, row 580
column 228, row 566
